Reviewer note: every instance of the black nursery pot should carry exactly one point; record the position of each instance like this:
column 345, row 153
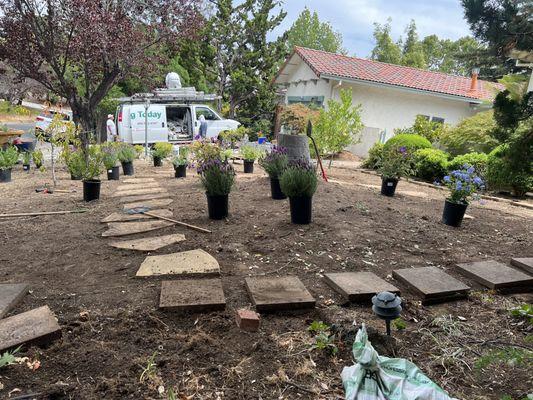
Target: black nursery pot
column 248, row 166
column 5, row 175
column 127, row 168
column 453, row 213
column 158, row 162
column 217, row 206
column 301, row 210
column 91, row 190
column 275, row 189
column 180, row 171
column 388, row 186
column 113, row 174
column 26, row 167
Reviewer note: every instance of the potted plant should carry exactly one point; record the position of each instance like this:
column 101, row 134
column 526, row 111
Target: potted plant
column 299, row 182
column 464, row 185
column 126, row 154
column 249, row 154
column 75, row 162
column 274, row 163
column 181, row 163
column 38, row 158
column 91, row 170
column 8, row 157
column 394, row 164
column 110, row 158
column 26, row 160
column 160, row 151
column 217, row 178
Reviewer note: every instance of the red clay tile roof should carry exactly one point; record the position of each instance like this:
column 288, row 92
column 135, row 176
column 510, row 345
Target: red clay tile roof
column 324, row 63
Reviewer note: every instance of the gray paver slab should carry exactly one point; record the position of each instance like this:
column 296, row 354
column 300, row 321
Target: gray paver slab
column 150, row 243
column 197, row 295
column 277, row 294
column 10, row 295
column 431, row 282
column 525, row 264
column 495, row 275
column 358, row 286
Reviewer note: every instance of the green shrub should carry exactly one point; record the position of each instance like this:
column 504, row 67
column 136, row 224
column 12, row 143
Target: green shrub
column 109, row 153
column 471, row 135
column 94, row 164
column 8, row 157
column 375, row 155
column 430, row 164
column 411, row 142
column 126, row 153
column 476, row 160
column 75, row 162
column 251, row 153
column 274, row 162
column 162, row 150
column 38, row 158
column 299, row 180
column 422, row 126
column 501, row 175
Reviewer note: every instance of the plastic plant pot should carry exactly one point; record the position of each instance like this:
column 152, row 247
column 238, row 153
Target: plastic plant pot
column 5, row 175
column 217, row 206
column 301, row 210
column 158, row 162
column 388, row 186
column 91, row 189
column 453, row 213
column 180, row 171
column 113, row 174
column 26, row 167
column 248, row 166
column 127, row 168
column 275, row 189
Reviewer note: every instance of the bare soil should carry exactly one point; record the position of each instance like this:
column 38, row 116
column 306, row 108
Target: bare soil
column 112, row 327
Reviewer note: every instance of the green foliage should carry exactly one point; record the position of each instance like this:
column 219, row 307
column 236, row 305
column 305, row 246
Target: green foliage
column 525, row 311
column 413, row 51
column 339, row 125
column 7, row 108
column 411, row 142
column 385, row 49
column 38, row 158
column 250, row 152
column 110, row 154
column 477, row 160
column 75, row 162
column 295, row 117
column 182, row 158
column 274, row 162
column 299, row 180
column 234, row 135
column 26, row 157
column 502, row 175
column 9, row 357
column 395, row 163
column 473, row 134
column 203, row 151
column 399, row 324
column 430, row 164
column 8, row 157
column 324, row 340
column 162, row 150
column 260, row 128
column 139, row 149
column 375, row 155
column 126, row 153
column 93, row 163
column 308, row 31
column 217, row 177
column 511, row 356
column 432, row 131
column 150, row 371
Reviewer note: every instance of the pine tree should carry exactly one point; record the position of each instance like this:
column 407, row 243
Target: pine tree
column 385, row 49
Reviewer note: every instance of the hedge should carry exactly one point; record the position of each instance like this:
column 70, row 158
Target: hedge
column 430, row 164
column 501, row 177
column 375, row 154
column 410, row 141
column 476, row 160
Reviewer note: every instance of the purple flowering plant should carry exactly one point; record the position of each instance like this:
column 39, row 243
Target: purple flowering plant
column 275, row 161
column 395, row 163
column 464, row 184
column 217, row 176
column 299, row 179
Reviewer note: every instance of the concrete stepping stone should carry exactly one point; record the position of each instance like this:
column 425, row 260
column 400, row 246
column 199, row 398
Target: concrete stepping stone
column 149, row 244
column 525, row 264
column 496, row 275
column 143, row 197
column 124, row 217
column 358, row 286
column 151, row 204
column 136, row 186
column 130, row 228
column 37, row 326
column 431, row 283
column 10, row 295
column 197, row 295
column 192, row 262
column 278, row 294
column 138, row 180
column 137, row 191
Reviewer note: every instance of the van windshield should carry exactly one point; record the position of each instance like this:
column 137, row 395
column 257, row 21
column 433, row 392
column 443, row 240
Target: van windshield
column 208, row 114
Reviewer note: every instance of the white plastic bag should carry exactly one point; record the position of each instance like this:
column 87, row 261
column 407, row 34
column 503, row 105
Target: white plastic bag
column 381, row 378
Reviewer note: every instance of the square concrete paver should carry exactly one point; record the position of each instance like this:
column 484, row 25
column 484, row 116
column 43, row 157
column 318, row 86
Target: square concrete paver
column 197, row 295
column 496, row 275
column 192, row 262
column 37, row 326
column 277, row 294
column 150, row 243
column 10, row 295
column 432, row 283
column 358, row 286
column 525, row 264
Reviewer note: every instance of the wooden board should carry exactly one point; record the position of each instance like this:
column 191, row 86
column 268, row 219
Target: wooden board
column 358, row 286
column 138, row 180
column 130, row 228
column 135, row 192
column 143, row 197
column 151, row 204
column 197, row 295
column 149, row 244
column 37, row 326
column 496, row 275
column 192, row 262
column 124, row 217
column 431, row 283
column 10, row 295
column 525, row 264
column 278, row 294
column 130, row 186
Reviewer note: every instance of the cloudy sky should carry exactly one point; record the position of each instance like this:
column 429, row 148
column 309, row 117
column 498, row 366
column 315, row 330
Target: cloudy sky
column 354, row 18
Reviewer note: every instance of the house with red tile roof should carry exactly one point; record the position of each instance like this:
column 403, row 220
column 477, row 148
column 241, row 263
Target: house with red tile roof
column 391, row 96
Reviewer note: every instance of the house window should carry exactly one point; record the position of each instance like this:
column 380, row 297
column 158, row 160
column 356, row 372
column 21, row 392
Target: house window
column 426, row 117
column 438, row 120
column 316, row 101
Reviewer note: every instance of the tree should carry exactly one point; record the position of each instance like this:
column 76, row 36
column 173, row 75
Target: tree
column 413, row 51
column 78, row 49
column 339, row 125
column 308, row 31
column 422, row 126
column 385, row 49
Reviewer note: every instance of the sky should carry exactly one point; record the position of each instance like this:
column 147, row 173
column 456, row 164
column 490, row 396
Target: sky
column 354, row 19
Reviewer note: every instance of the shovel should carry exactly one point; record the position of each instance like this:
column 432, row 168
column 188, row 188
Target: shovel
column 310, row 136
column 145, row 211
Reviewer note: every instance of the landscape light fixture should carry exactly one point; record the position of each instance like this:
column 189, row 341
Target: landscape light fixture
column 387, row 306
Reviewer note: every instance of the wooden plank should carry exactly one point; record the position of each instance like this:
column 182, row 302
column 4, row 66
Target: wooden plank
column 143, row 197
column 129, row 228
column 136, row 186
column 10, row 295
column 149, row 244
column 135, row 192
column 151, row 204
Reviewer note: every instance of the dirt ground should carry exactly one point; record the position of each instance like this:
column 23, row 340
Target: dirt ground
column 112, row 327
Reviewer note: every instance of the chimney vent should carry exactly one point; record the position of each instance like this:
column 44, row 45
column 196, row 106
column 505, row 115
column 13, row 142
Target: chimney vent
column 473, row 81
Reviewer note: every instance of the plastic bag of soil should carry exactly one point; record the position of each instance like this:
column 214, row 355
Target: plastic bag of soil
column 374, row 377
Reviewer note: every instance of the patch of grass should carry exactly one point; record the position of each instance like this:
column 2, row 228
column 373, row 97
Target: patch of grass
column 524, row 311
column 324, row 339
column 8, row 357
column 399, row 324
column 150, row 371
column 508, row 355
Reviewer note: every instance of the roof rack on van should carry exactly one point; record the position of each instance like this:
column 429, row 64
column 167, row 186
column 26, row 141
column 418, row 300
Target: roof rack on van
column 186, row 95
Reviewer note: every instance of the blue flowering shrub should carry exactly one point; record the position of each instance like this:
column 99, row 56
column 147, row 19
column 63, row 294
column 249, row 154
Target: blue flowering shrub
column 217, row 177
column 464, row 185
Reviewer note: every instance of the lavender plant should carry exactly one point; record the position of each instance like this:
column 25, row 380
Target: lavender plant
column 464, row 185
column 217, row 177
column 299, row 179
column 275, row 162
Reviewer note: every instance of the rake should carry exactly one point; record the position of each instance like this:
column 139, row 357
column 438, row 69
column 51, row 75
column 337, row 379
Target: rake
column 146, row 211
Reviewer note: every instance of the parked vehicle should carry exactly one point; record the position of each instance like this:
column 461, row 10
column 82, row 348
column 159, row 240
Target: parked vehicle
column 43, row 120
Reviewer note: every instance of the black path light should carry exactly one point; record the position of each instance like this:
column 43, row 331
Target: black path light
column 387, row 306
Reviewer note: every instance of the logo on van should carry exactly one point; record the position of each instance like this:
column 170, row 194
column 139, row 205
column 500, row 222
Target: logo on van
column 141, row 114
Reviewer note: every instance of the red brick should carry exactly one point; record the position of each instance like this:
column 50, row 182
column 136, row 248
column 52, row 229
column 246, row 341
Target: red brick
column 248, row 320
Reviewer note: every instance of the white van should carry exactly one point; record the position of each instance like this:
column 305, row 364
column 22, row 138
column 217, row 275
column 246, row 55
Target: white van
column 168, row 122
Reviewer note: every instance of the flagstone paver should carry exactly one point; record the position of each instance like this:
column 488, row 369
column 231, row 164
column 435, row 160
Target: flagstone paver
column 150, row 243
column 138, row 180
column 276, row 294
column 138, row 191
column 143, row 197
column 10, row 295
column 151, row 204
column 125, row 217
column 197, row 295
column 495, row 275
column 192, row 262
column 358, row 286
column 130, row 228
column 131, row 186
column 525, row 264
